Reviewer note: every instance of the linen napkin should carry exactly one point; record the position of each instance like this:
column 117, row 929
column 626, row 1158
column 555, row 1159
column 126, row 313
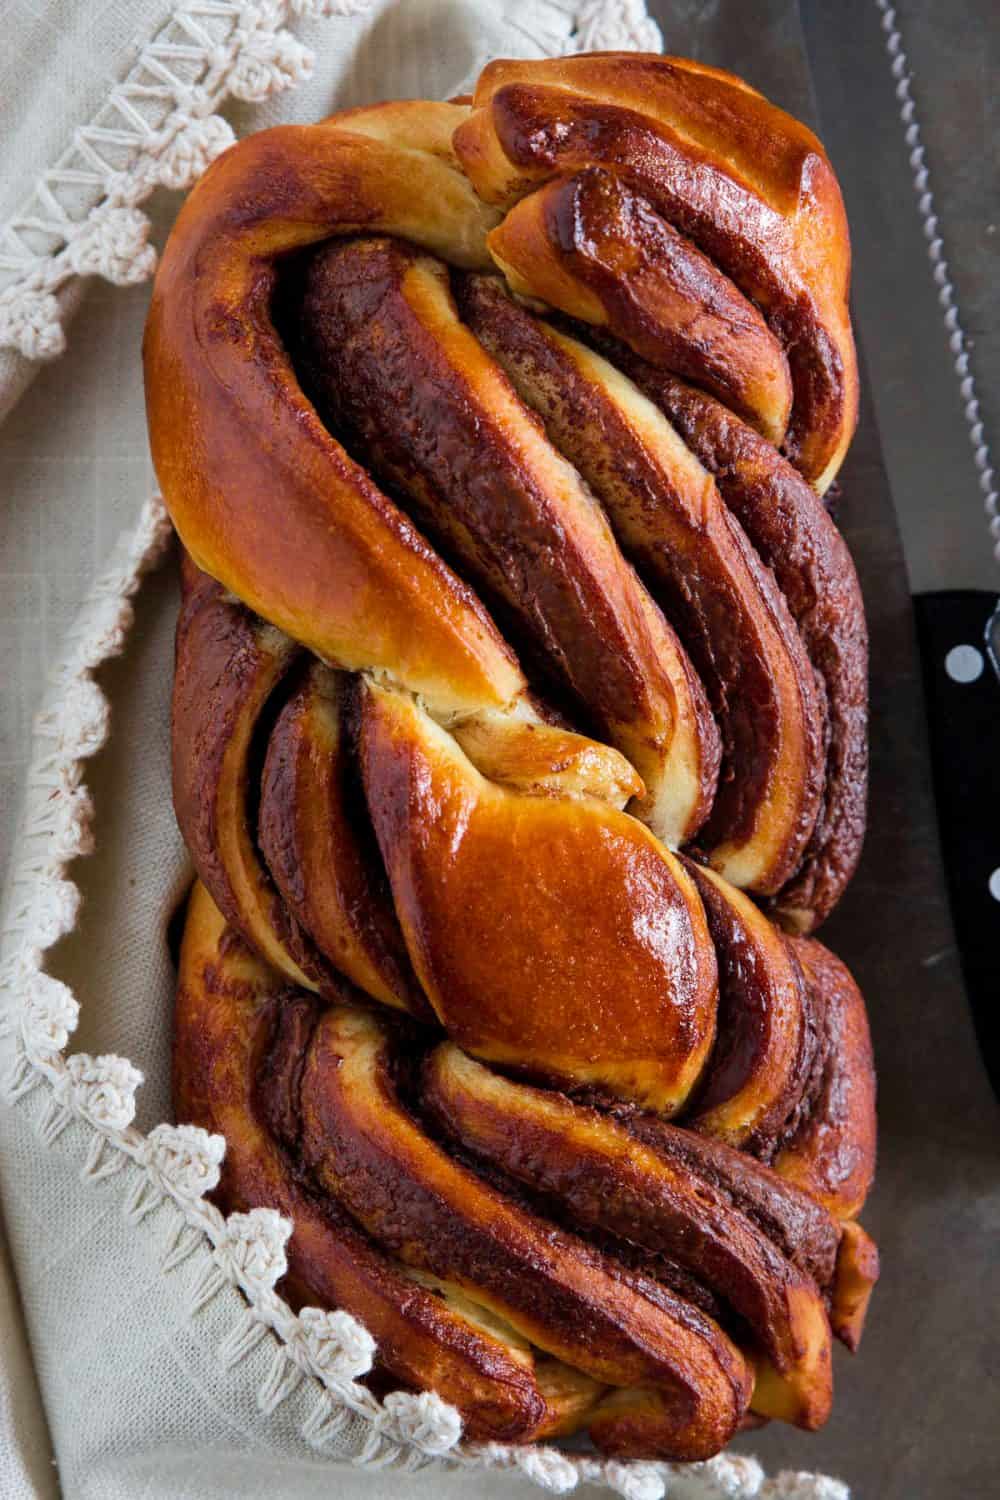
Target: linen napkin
column 154, row 1379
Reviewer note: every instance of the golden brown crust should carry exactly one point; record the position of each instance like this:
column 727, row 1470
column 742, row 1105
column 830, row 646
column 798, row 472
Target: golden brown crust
column 757, row 1072
column 792, row 1219
column 265, row 499
column 857, row 1273
column 458, row 850
column 605, row 1178
column 594, row 249
column 832, row 1154
column 748, row 184
column 671, row 522
column 277, row 1075
column 792, row 532
column 390, row 362
column 546, row 759
column 319, row 847
column 227, row 666
column 305, row 186
column 437, row 1215
column 218, row 1027
column 458, row 1236
column 604, row 973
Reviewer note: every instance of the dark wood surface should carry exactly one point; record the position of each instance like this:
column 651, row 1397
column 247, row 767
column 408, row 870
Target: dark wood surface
column 917, row 1411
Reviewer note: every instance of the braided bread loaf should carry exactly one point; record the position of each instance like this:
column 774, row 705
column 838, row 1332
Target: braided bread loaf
column 520, row 691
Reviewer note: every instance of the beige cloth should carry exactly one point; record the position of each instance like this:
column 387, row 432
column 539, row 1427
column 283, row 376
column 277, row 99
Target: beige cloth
column 74, row 462
column 153, row 1380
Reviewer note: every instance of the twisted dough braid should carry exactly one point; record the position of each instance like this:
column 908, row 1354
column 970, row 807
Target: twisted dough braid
column 519, row 666
column 543, row 1265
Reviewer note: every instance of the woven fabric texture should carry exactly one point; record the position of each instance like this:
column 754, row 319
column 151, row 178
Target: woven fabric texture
column 165, row 1363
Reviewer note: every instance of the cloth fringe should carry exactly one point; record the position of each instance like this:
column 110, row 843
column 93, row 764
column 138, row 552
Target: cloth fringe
column 160, row 128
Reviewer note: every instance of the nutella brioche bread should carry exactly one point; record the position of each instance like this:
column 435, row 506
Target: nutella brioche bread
column 519, row 739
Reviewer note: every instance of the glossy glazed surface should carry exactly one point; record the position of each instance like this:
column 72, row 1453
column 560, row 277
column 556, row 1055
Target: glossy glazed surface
column 555, row 935
column 572, row 609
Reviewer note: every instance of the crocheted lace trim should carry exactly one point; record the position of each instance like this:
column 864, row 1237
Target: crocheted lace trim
column 160, row 127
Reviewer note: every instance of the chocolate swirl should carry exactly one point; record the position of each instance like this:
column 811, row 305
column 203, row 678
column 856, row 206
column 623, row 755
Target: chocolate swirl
column 519, row 667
